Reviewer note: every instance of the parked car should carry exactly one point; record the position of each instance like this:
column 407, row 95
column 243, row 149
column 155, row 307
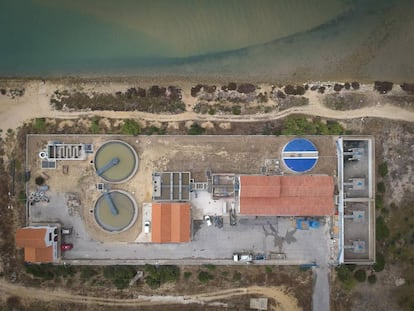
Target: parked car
column 207, row 219
column 66, row 231
column 147, row 226
column 66, row 246
column 243, row 257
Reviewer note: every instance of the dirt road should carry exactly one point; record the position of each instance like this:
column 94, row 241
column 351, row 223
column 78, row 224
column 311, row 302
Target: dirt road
column 285, row 301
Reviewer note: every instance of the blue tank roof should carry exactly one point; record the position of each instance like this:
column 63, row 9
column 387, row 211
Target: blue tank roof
column 300, row 155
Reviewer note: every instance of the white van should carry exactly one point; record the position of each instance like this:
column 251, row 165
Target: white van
column 147, row 225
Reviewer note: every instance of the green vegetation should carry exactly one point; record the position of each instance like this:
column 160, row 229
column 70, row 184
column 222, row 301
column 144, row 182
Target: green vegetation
column 380, row 262
column 39, row 124
column 49, row 271
column 383, row 169
column 95, row 128
column 131, row 127
column 211, row 111
column 154, row 130
column 153, row 100
column 381, row 187
column 268, row 269
column 39, row 180
column 205, row 277
column 187, row 275
column 119, row 275
column 157, row 275
column 87, row 272
column 382, row 231
column 299, row 125
column 360, row 275
column 379, row 201
column 237, row 276
column 345, row 276
column 195, row 129
column 372, row 279
column 236, row 110
column 210, row 267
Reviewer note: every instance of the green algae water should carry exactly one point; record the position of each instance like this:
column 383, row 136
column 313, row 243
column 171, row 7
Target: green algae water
column 71, row 37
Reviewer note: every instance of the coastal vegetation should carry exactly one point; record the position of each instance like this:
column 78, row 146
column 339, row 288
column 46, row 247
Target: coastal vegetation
column 155, row 99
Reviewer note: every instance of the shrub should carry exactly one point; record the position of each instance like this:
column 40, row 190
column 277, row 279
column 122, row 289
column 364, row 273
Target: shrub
column 381, row 187
column 236, row 110
column 355, row 85
column 155, row 276
column 211, row 111
column 379, row 201
column 380, row 263
column 382, row 231
column 383, row 86
column 246, row 88
column 39, row 180
column 210, row 267
column 372, row 279
column 131, row 127
column 268, row 269
column 294, row 90
column 345, row 276
column 360, row 275
column 39, row 124
column 237, row 276
column 195, row 129
column 187, row 275
column 119, row 275
column 205, row 277
column 383, row 169
column 87, row 272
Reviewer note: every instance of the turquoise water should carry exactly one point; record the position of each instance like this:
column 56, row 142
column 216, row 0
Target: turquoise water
column 211, row 37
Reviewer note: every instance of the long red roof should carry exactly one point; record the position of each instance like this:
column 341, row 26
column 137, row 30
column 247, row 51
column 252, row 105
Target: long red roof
column 171, row 222
column 310, row 195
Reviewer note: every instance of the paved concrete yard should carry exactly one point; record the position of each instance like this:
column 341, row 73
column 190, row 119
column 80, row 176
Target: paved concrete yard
column 197, row 154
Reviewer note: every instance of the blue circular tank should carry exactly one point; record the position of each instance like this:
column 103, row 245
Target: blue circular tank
column 300, row 155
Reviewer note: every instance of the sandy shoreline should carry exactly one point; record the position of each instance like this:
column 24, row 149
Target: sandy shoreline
column 36, row 102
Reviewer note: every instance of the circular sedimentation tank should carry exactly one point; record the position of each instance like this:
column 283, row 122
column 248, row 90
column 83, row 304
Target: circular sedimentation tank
column 116, row 161
column 300, row 155
column 120, row 219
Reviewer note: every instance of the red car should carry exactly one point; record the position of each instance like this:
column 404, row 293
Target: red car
column 66, row 246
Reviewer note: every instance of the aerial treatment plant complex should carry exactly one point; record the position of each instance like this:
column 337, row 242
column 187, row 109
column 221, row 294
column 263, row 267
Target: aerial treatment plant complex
column 199, row 199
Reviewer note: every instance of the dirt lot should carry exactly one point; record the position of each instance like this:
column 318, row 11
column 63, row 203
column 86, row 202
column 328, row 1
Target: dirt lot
column 288, row 288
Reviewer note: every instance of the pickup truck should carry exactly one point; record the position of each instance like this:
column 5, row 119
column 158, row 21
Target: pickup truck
column 243, row 257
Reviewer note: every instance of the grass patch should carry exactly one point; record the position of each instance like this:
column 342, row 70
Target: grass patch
column 39, row 124
column 205, row 277
column 131, row 127
column 268, row 269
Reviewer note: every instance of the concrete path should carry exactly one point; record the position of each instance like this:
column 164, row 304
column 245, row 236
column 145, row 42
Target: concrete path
column 321, row 290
